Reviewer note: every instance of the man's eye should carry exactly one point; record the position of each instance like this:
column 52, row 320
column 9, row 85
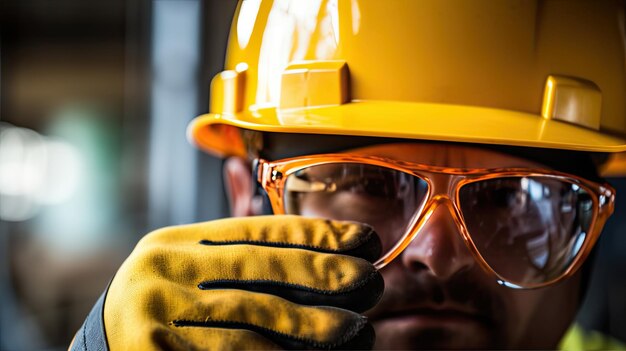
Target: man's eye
column 509, row 197
column 375, row 187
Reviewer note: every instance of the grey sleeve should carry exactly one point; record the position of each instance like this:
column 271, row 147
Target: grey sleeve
column 91, row 335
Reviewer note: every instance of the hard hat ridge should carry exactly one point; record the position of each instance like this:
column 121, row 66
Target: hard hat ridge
column 546, row 74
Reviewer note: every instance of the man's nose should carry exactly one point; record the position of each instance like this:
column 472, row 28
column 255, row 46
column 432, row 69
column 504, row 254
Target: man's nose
column 439, row 246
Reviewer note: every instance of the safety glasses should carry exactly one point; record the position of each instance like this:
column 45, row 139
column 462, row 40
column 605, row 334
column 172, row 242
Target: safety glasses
column 527, row 227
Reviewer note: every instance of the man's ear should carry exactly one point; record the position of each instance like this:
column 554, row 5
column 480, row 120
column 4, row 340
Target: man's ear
column 240, row 187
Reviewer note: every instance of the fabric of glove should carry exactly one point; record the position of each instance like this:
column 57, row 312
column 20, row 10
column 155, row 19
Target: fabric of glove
column 247, row 283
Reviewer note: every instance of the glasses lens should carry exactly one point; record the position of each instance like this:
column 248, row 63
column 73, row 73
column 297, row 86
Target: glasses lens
column 528, row 229
column 384, row 198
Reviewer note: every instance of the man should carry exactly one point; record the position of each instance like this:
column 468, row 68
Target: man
column 430, row 165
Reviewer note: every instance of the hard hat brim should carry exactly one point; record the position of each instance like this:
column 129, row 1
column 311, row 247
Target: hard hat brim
column 422, row 121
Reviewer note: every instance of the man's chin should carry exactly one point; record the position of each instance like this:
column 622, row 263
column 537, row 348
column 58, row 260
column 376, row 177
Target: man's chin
column 433, row 332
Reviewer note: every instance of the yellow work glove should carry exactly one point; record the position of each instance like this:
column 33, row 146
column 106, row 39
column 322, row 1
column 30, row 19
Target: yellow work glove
column 246, row 283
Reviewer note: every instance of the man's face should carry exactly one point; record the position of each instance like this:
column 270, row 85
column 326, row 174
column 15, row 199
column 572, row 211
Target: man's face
column 436, row 294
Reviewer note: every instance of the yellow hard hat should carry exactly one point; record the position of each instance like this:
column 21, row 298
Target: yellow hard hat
column 548, row 74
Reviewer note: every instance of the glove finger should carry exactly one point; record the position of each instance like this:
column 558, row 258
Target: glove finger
column 161, row 314
column 285, row 323
column 321, row 235
column 147, row 320
column 302, row 276
column 209, row 339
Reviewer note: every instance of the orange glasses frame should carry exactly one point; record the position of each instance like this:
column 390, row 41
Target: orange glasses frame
column 443, row 191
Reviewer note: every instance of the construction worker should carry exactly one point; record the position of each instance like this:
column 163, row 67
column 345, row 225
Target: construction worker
column 431, row 168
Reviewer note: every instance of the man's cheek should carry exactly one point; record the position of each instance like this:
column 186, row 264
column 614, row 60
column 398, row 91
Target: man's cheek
column 542, row 315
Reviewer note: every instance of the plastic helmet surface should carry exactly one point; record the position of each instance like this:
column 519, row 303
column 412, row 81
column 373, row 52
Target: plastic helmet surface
column 549, row 74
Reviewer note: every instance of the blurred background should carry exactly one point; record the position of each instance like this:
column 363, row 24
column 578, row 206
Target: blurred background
column 95, row 97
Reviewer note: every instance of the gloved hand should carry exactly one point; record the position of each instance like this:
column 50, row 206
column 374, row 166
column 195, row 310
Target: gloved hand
column 247, row 283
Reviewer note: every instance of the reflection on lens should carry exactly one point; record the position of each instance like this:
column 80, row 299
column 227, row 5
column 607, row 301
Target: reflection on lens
column 381, row 197
column 528, row 229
